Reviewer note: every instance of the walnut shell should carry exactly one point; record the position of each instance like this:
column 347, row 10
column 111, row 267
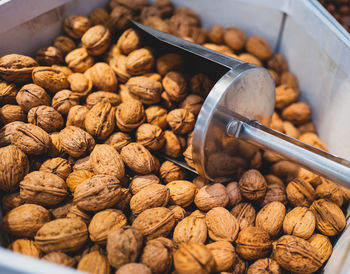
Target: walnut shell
column 46, row 117
column 223, row 253
column 102, row 77
column 182, row 192
column 181, row 121
column 76, row 178
column 32, row 95
column 120, row 18
column 118, row 64
column 297, row 113
column 99, row 17
column 330, row 219
column 253, row 243
column 322, row 245
column 191, row 229
column 14, row 167
column 123, row 246
column 296, row 255
column 211, row 196
column 258, row 47
column 266, row 265
column 286, row 95
column 235, row 38
column 103, row 222
column 170, row 172
column 96, row 40
column 64, row 44
column 270, row 218
column 234, row 193
column 193, row 258
column 145, row 89
column 138, row 158
column 57, row 166
column 278, row 63
column 76, row 116
column 300, row 221
column 43, row 188
column 252, row 185
column 17, row 68
column 76, row 25
column 76, row 212
column 300, row 192
column 129, row 41
column 83, row 164
column 130, row 115
column 150, row 136
column 79, row 60
column 61, row 235
column 8, row 93
column 25, row 247
column 10, row 201
column 103, row 97
column 25, row 220
column 312, row 139
column 275, row 192
column 60, row 258
column 64, row 100
column 285, row 170
column 168, row 62
column 61, row 210
column 118, row 140
column 79, row 84
column 245, row 214
column 50, row 79
column 216, row 34
column 173, row 146
column 222, row 225
column 97, row 193
column 140, row 182
column 175, row 85
column 156, row 115
column 94, row 262
column 134, row 268
column 12, row 113
column 331, row 191
column 192, row 103
column 155, row 222
column 154, row 195
column 49, row 56
column 140, row 61
column 201, row 84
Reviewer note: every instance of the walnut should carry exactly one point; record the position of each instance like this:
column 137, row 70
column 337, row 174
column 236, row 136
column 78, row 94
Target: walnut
column 43, row 188
column 222, row 225
column 64, row 100
column 76, row 25
column 200, row 181
column 265, row 265
column 157, row 23
column 129, row 41
column 286, row 95
column 192, row 103
column 63, row 69
column 156, row 115
column 61, row 235
column 245, row 214
column 75, row 212
column 235, row 38
column 278, row 63
column 181, row 121
column 96, row 40
column 297, row 113
column 25, row 247
column 173, row 145
column 276, row 191
column 32, row 95
column 79, row 60
column 191, row 229
column 193, row 258
column 76, row 178
column 285, row 170
column 258, row 47
column 118, row 64
column 179, row 212
column 79, row 84
column 99, row 17
column 118, row 140
column 61, row 210
column 169, row 62
column 330, row 219
column 150, row 136
column 46, row 117
column 60, row 258
column 17, row 68
column 220, row 48
column 224, row 255
column 289, row 79
column 165, row 7
column 102, row 77
column 57, row 166
column 307, row 128
column 239, row 266
column 147, row 12
column 145, row 89
column 201, row 84
column 234, row 193
column 8, row 93
column 312, row 139
column 120, row 18
column 252, row 185
column 49, row 56
column 123, row 246
column 94, row 262
column 138, row 158
column 170, row 172
column 64, row 44
column 139, row 182
column 300, row 221
column 216, row 34
column 11, row 200
column 300, row 193
column 50, row 79
column 102, row 97
column 175, row 85
column 76, row 116
column 134, row 268
column 211, row 196
column 275, row 77
column 155, row 222
column 140, row 61
column 322, row 245
column 83, row 164
column 296, row 255
column 331, row 191
column 270, row 218
column 130, row 115
column 103, row 222
column 182, row 192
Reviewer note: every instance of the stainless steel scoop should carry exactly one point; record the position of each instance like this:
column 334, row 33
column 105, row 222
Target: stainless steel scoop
column 235, row 112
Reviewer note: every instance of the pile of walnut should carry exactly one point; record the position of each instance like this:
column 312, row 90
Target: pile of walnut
column 83, row 189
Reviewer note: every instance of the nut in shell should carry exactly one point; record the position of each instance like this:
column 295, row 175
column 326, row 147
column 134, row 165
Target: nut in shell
column 191, row 229
column 182, row 192
column 300, row 221
column 271, row 217
column 224, row 255
column 94, row 262
column 252, row 185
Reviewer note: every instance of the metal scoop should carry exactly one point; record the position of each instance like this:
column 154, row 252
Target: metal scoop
column 235, row 110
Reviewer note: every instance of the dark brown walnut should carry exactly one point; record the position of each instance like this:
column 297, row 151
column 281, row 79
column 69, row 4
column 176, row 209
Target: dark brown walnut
column 76, row 116
column 182, row 192
column 270, row 218
column 76, row 25
column 79, row 60
column 278, row 63
column 123, row 246
column 155, row 195
column 235, row 38
column 296, row 255
column 253, row 243
column 258, row 47
column 46, row 117
column 200, row 181
column 145, row 89
column 8, row 93
column 44, row 188
column 201, row 84
column 175, row 85
column 330, row 219
column 96, row 40
column 17, row 68
column 239, row 266
column 103, row 97
column 102, row 77
column 76, row 142
column 192, row 103
column 129, row 41
column 49, row 56
column 300, row 192
column 150, row 136
column 118, row 64
column 234, row 193
column 25, row 220
column 79, row 84
column 60, row 258
column 169, row 172
column 136, row 5
column 94, row 262
column 286, row 95
column 130, row 115
column 193, row 258
column 100, row 120
column 139, row 182
column 61, row 235
column 155, row 222
column 285, row 170
column 106, row 160
column 10, row 201
column 58, row 166
column 120, row 18
column 156, row 115
column 32, row 95
column 157, row 23
column 216, row 34
column 118, row 140
column 147, row 12
column 103, row 222
column 297, row 113
column 76, row 212
column 211, row 196
column 169, row 62
column 245, row 214
column 138, row 158
column 61, row 210
column 252, row 185
column 50, row 79
column 25, row 247
column 173, row 145
column 331, row 191
column 300, row 222
column 183, row 25
column 64, row 44
column 322, row 245
column 31, row 139
column 165, row 7
column 266, row 265
column 99, row 17
column 140, row 61
column 181, row 121
column 157, row 255
column 12, row 113
column 97, row 193
column 276, row 191
column 124, row 201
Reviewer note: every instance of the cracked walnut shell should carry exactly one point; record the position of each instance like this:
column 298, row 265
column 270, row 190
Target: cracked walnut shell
column 300, row 222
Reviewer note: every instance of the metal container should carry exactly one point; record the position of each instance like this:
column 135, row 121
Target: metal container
column 316, row 46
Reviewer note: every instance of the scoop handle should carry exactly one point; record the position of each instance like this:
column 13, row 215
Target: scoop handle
column 313, row 159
